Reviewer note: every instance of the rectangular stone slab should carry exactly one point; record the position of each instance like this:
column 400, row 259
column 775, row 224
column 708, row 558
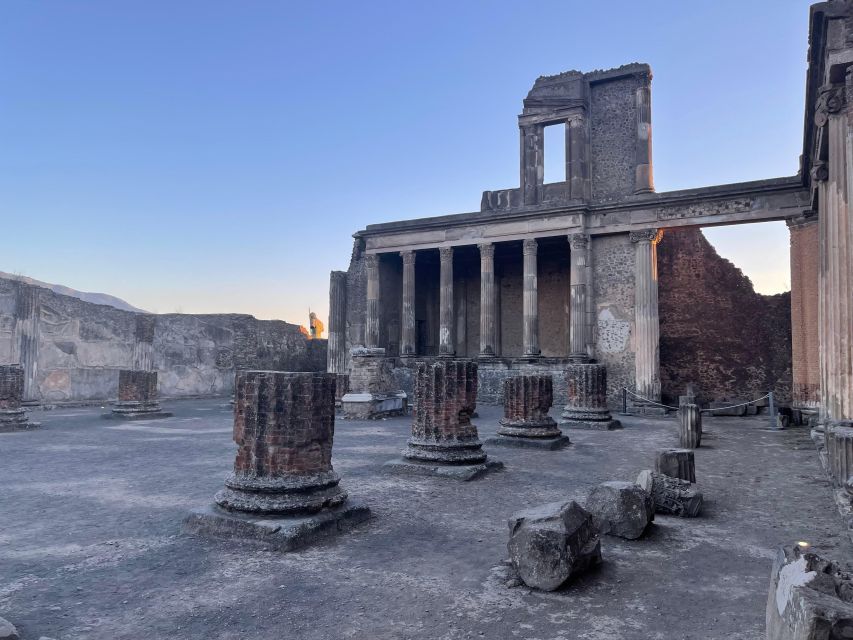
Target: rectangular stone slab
column 277, row 533
column 591, row 425
column 463, row 472
column 150, row 415
column 549, row 444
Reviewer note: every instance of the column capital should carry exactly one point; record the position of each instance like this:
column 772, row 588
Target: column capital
column 371, row 260
column 445, row 253
column 819, row 171
column 646, row 235
column 831, row 99
column 529, row 246
column 408, row 257
column 487, row 249
column 578, row 241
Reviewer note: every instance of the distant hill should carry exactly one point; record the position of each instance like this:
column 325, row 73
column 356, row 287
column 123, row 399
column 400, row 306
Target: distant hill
column 85, row 296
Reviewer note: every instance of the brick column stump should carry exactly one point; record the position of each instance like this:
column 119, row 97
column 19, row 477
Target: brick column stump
column 443, row 441
column 283, row 491
column 526, row 423
column 13, row 417
column 586, row 401
column 137, row 397
column 371, row 394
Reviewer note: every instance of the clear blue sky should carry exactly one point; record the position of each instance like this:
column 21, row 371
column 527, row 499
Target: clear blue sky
column 214, row 156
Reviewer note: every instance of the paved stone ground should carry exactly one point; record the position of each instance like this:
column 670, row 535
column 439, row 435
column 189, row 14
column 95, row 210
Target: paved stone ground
column 91, row 544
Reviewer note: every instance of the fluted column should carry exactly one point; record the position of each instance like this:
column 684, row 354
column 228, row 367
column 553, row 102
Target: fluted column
column 143, row 348
column 371, row 331
column 643, row 181
column 578, row 300
column 337, row 359
column 27, row 325
column 531, row 300
column 446, row 346
column 532, row 162
column 407, row 347
column 488, row 326
column 646, row 321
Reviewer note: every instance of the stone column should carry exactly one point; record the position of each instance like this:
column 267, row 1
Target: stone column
column 27, row 325
column 526, row 423
column 532, row 162
column 337, row 346
column 690, row 426
column 839, row 453
column 371, row 328
column 805, row 345
column 646, row 322
column 577, row 168
column 578, row 298
column 137, row 396
column 531, row 300
column 643, row 181
column 836, row 238
column 408, row 346
column 586, row 401
column 446, row 344
column 12, row 415
column 143, row 349
column 488, row 326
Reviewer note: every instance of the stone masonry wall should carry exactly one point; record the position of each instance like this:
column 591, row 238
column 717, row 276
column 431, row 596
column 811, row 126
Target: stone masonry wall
column 614, row 137
column 81, row 347
column 716, row 332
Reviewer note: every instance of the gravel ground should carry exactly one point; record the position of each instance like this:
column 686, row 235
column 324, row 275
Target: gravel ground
column 91, row 543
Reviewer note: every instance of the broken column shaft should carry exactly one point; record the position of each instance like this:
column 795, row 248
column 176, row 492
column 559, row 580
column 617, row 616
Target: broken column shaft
column 526, row 423
column 137, row 396
column 586, row 402
column 690, row 426
column 12, row 415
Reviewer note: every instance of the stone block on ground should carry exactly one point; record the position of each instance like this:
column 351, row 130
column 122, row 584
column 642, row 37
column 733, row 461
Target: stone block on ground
column 547, row 444
column 676, row 463
column 621, row 509
column 463, row 472
column 671, row 496
column 810, row 598
column 8, row 630
column 552, row 543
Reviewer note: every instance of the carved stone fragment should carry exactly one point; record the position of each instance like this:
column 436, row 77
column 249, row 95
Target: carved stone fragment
column 671, row 496
column 676, row 463
column 621, row 509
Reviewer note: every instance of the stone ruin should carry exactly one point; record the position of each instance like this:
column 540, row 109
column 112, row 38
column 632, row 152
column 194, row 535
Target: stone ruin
column 283, row 491
column 586, row 402
column 371, row 392
column 526, row 423
column 13, row 417
column 690, row 426
column 621, row 509
column 137, row 396
column 671, row 496
column 443, row 441
column 677, row 463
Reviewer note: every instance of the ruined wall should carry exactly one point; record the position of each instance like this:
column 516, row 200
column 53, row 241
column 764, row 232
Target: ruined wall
column 613, row 126
column 805, row 348
column 81, row 346
column 716, row 332
column 613, row 259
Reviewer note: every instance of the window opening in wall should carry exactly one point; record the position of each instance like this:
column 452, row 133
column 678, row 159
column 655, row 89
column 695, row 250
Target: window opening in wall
column 555, row 153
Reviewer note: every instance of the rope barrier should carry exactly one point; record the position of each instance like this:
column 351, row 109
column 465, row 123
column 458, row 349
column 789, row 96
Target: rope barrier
column 666, row 406
column 639, row 397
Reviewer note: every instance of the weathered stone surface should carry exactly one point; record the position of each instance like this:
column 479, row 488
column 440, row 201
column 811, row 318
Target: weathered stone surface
column 8, row 630
column 689, row 426
column 13, row 416
column 839, row 452
column 586, row 398
column 445, row 399
column 810, row 598
column 671, row 496
column 677, row 463
column 552, row 543
column 371, row 394
column 137, row 396
column 527, row 400
column 621, row 509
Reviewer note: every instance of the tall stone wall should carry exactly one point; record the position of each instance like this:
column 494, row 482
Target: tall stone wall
column 80, row 346
column 716, row 332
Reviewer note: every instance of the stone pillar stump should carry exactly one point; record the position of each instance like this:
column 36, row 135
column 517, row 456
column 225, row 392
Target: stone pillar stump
column 13, row 416
column 137, row 396
column 586, row 402
column 371, row 394
column 677, row 463
column 839, row 451
column 443, row 441
column 283, row 490
column 690, row 426
column 526, row 423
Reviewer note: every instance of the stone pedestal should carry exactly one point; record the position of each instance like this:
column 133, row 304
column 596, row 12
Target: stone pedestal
column 526, row 423
column 839, row 452
column 283, row 491
column 444, row 442
column 13, row 417
column 137, row 397
column 586, row 406
column 677, row 463
column 690, row 426
column 371, row 392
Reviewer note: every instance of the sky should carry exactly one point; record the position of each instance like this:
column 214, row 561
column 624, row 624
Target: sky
column 216, row 156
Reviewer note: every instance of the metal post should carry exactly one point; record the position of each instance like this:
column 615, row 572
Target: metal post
column 624, row 401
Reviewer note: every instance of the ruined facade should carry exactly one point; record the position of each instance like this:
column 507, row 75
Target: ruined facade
column 71, row 350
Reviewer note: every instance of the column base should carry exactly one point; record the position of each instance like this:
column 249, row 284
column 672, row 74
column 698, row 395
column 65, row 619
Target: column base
column 546, row 428
column 450, row 453
column 132, row 410
column 547, row 443
column 462, row 472
column 279, row 533
column 15, row 420
column 279, row 496
column 573, row 418
column 374, row 406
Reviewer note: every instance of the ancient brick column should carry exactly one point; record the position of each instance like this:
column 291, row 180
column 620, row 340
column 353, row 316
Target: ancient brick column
column 284, row 425
column 586, row 402
column 530, row 300
column 805, row 344
column 488, row 326
column 690, row 426
column 137, row 396
column 143, row 348
column 527, row 400
column 446, row 346
column 577, row 305
column 646, row 319
column 27, row 327
column 337, row 347
column 12, row 415
column 371, row 321
column 408, row 340
column 643, row 181
column 445, row 399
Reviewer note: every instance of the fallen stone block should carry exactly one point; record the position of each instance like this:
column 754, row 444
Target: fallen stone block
column 8, row 630
column 552, row 543
column 621, row 509
column 671, row 496
column 676, row 463
column 810, row 598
